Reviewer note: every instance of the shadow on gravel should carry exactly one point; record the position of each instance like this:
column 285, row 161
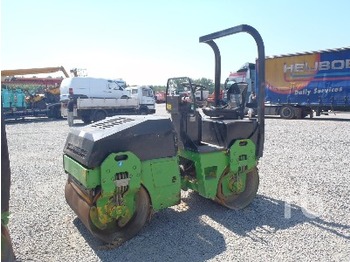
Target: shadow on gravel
column 32, row 120
column 330, row 118
column 192, row 230
column 264, row 216
column 79, row 124
column 267, row 215
column 165, row 238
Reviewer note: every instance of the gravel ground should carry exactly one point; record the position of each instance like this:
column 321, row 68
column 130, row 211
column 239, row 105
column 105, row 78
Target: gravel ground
column 301, row 212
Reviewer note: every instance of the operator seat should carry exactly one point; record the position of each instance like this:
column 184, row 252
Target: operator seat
column 236, row 102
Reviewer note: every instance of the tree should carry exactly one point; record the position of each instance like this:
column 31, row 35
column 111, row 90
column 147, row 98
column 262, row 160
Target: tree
column 208, row 83
column 158, row 88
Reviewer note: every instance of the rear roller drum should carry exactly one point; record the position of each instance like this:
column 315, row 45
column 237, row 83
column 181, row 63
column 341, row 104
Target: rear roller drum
column 117, row 233
column 238, row 200
column 114, row 232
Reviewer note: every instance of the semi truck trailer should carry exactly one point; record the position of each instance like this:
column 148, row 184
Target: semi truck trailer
column 297, row 85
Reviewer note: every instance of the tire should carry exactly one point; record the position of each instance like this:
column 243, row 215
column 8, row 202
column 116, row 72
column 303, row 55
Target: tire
column 304, row 113
column 287, row 112
column 99, row 115
column 86, row 119
column 40, row 104
column 143, row 111
column 55, row 112
column 7, row 253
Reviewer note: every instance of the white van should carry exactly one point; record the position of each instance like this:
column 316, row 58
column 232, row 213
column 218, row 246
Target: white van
column 89, row 87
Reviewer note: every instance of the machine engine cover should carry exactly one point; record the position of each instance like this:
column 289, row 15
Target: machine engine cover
column 148, row 137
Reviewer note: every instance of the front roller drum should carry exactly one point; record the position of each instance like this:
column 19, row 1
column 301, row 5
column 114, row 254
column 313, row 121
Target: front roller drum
column 239, row 200
column 82, row 204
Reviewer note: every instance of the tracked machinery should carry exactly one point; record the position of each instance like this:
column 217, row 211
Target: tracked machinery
column 124, row 168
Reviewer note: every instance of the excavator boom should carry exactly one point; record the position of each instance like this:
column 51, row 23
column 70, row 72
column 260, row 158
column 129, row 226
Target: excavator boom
column 30, row 71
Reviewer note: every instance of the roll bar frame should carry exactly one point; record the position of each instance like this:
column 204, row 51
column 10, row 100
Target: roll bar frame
column 260, row 83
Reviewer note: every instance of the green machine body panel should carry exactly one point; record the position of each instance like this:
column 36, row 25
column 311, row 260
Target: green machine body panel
column 89, row 178
column 209, row 167
column 120, row 176
column 161, row 178
column 242, row 156
column 120, row 181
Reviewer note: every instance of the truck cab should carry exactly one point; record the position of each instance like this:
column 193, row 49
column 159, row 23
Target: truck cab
column 245, row 74
column 145, row 98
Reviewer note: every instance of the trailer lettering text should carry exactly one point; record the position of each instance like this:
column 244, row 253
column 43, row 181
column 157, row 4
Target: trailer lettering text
column 318, row 91
column 327, row 90
column 322, row 65
column 302, row 92
column 337, row 64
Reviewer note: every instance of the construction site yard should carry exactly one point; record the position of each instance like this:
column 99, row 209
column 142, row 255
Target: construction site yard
column 301, row 212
